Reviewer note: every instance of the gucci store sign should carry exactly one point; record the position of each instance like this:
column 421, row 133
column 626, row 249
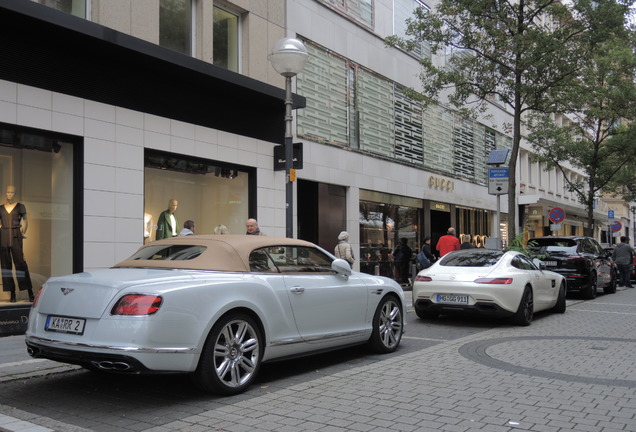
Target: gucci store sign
column 441, row 183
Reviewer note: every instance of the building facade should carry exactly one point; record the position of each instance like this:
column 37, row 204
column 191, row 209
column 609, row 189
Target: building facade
column 127, row 105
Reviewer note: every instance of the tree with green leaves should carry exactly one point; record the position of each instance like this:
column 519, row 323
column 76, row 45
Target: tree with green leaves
column 597, row 136
column 526, row 54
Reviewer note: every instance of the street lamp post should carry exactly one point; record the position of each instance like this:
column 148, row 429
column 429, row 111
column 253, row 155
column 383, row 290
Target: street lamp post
column 288, row 58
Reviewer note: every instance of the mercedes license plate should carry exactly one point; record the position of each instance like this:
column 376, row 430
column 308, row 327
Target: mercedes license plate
column 550, row 263
column 65, row 324
column 452, row 298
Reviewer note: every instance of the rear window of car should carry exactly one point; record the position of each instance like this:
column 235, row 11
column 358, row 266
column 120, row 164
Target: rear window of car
column 553, row 245
column 169, row 252
column 477, row 258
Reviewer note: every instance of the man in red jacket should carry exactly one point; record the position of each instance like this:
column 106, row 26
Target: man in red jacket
column 447, row 243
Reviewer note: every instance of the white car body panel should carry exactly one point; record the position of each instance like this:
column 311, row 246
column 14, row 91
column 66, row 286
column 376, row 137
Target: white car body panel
column 172, row 339
column 460, row 281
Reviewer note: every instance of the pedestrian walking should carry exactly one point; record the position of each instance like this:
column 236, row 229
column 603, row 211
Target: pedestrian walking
column 402, row 261
column 623, row 256
column 343, row 248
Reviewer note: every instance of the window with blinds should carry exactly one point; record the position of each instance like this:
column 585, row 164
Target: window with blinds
column 464, row 147
column 375, row 104
column 403, row 10
column 324, row 84
column 351, row 106
column 408, row 128
column 438, row 138
column 359, row 10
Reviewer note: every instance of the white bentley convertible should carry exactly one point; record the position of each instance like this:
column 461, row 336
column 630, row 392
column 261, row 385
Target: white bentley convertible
column 215, row 307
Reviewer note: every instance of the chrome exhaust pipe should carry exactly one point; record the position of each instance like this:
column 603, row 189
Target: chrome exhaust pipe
column 109, row 365
column 32, row 351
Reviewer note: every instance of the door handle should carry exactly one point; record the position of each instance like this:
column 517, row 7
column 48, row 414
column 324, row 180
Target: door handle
column 298, row 290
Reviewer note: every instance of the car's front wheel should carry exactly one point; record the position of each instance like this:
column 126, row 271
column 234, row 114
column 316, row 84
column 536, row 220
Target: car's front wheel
column 524, row 314
column 592, row 287
column 388, row 326
column 231, row 355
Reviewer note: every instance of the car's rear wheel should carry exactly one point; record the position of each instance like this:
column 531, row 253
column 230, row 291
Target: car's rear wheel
column 559, row 307
column 388, row 326
column 524, row 314
column 611, row 287
column 231, row 355
column 592, row 287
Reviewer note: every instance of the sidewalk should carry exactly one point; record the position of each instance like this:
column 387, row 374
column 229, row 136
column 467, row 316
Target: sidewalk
column 566, row 372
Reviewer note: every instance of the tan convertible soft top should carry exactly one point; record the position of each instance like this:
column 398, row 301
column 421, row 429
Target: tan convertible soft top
column 222, row 253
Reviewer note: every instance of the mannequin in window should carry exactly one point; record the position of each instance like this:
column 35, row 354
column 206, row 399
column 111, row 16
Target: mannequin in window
column 13, row 227
column 168, row 223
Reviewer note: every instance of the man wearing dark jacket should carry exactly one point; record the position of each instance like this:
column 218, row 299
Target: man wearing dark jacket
column 623, row 256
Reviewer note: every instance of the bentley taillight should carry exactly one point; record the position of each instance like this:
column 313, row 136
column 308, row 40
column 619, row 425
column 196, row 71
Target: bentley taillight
column 137, row 304
column 37, row 297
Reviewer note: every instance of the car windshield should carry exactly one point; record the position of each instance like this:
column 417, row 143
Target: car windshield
column 472, row 258
column 169, row 252
column 554, row 245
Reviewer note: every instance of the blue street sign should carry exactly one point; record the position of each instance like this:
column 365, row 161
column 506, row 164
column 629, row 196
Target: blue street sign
column 610, row 214
column 498, row 173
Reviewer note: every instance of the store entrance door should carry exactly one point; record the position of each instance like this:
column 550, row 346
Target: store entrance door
column 321, row 213
column 440, row 222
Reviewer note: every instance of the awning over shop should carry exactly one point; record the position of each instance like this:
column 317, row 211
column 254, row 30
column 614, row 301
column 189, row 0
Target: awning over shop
column 52, row 50
column 573, row 212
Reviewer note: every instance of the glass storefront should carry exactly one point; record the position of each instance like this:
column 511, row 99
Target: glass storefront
column 207, row 192
column 473, row 222
column 384, row 220
column 36, row 208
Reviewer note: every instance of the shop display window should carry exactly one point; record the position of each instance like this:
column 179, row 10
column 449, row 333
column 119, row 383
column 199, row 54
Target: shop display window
column 36, row 210
column 382, row 226
column 473, row 222
column 206, row 192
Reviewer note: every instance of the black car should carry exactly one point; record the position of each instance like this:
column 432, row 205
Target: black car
column 582, row 260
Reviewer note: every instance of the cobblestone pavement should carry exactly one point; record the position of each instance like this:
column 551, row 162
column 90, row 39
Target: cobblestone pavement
column 566, row 372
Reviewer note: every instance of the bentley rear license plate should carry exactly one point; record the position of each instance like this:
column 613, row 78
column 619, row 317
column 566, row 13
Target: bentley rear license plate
column 452, row 298
column 65, row 324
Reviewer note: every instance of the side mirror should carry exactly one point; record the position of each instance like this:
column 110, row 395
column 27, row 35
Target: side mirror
column 341, row 267
column 540, row 265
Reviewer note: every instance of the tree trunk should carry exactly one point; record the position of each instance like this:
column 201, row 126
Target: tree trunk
column 512, row 166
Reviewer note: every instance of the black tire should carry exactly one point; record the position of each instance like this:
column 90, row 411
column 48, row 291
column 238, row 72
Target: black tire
column 559, row 307
column 388, row 326
column 426, row 314
column 611, row 287
column 592, row 287
column 524, row 314
column 231, row 355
